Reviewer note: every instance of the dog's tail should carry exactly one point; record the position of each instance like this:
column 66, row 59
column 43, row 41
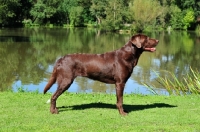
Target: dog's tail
column 51, row 81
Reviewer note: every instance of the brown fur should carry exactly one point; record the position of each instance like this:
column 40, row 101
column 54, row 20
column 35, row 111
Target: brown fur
column 113, row 67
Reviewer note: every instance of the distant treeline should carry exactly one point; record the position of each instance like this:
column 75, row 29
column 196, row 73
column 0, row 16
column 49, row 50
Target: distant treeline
column 137, row 15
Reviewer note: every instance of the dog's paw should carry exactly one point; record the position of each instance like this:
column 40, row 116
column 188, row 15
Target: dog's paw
column 54, row 111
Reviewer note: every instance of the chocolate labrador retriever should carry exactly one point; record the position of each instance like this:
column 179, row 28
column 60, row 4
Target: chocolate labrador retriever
column 113, row 67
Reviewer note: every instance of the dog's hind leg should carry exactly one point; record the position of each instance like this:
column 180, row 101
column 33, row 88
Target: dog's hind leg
column 62, row 87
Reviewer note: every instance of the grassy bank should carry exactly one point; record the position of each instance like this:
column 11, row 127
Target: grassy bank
column 97, row 112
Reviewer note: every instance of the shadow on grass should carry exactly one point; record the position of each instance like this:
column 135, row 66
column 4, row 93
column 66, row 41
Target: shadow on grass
column 128, row 108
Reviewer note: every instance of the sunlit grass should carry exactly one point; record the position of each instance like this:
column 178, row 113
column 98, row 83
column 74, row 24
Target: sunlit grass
column 28, row 111
column 189, row 84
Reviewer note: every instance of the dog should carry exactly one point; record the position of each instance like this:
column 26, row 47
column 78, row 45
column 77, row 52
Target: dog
column 113, row 67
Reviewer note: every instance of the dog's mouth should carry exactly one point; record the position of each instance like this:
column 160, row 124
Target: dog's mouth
column 150, row 49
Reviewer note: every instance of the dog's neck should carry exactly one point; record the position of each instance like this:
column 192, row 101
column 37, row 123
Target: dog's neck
column 134, row 45
column 137, row 50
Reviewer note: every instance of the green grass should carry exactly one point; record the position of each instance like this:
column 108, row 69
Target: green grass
column 25, row 111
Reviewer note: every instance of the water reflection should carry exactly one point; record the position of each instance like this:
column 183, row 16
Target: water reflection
column 27, row 57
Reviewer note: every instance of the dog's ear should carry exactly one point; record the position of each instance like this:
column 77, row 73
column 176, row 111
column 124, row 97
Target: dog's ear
column 136, row 41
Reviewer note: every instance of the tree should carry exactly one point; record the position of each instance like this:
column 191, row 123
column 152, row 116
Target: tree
column 72, row 10
column 43, row 10
column 176, row 17
column 145, row 12
column 86, row 16
column 110, row 14
column 189, row 4
column 189, row 8
column 188, row 18
column 74, row 15
column 181, row 19
column 8, row 11
column 98, row 9
column 116, row 14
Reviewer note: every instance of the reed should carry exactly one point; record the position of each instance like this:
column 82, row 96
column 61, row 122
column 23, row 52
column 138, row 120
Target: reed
column 189, row 84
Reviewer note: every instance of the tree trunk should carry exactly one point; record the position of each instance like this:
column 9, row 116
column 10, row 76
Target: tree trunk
column 98, row 20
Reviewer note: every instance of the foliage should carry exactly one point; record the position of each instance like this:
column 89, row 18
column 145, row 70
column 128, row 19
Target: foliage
column 109, row 14
column 97, row 9
column 115, row 14
column 145, row 13
column 188, row 4
column 85, row 17
column 181, row 20
column 74, row 12
column 43, row 10
column 176, row 17
column 189, row 11
column 188, row 18
column 8, row 10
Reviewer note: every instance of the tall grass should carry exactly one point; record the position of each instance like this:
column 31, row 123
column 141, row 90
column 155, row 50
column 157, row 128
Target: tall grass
column 189, row 84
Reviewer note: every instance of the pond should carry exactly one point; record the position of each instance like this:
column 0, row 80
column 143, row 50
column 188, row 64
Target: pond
column 27, row 57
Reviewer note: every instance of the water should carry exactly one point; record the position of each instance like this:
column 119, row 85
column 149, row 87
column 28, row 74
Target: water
column 27, row 56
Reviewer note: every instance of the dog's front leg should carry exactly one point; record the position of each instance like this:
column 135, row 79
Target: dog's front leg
column 119, row 94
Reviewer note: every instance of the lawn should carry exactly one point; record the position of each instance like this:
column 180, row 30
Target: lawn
column 81, row 112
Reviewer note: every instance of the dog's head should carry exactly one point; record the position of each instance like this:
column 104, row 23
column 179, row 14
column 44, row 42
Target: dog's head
column 144, row 42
